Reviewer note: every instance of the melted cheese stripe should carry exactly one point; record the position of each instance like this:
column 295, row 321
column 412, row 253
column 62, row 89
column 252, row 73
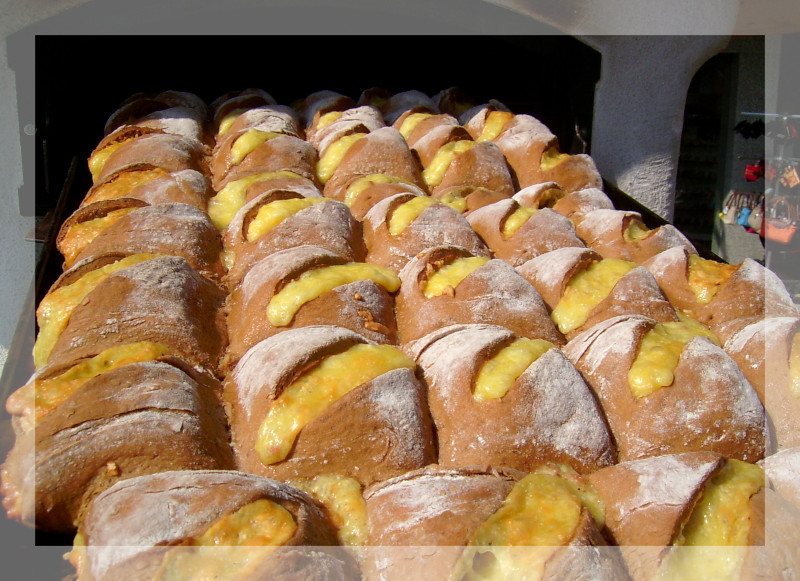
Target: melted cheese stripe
column 706, row 276
column 551, row 157
column 494, row 124
column 586, row 290
column 357, row 187
column 124, row 183
column 55, row 309
column 498, row 374
column 247, row 142
column 713, row 541
column 229, row 120
column 434, row 173
column 410, row 123
column 272, row 214
column 334, row 154
column 343, row 498
column 450, row 275
column 230, row 199
column 98, row 160
column 406, row 213
column 310, row 395
column 81, row 235
column 659, row 354
column 455, row 200
column 313, row 283
column 515, row 221
column 51, row 392
column 233, row 547
column 327, row 119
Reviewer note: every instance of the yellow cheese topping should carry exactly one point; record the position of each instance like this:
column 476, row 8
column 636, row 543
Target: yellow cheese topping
column 455, row 200
column 515, row 221
column 327, row 118
column 450, row 275
column 357, row 187
column 272, row 214
column 55, row 309
column 659, row 354
column 409, row 123
column 494, row 124
column 53, row 391
column 230, row 199
column 98, row 160
column 334, row 154
column 313, row 392
column 342, row 496
column 706, row 276
column 540, row 513
column 551, row 157
column 124, row 183
column 229, row 120
column 434, row 173
column 498, row 374
column 247, row 142
column 586, row 289
column 636, row 230
column 794, row 367
column 233, row 547
column 712, row 542
column 313, row 283
column 406, row 213
column 550, row 197
column 81, row 235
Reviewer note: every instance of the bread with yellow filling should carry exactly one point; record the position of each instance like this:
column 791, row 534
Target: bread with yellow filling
column 487, row 523
column 153, row 186
column 483, row 290
column 164, row 229
column 481, row 164
column 362, row 194
column 768, row 353
column 682, row 394
column 606, row 288
column 574, row 205
column 500, row 399
column 365, row 414
column 268, row 118
column 426, row 133
column 623, row 234
column 140, row 105
column 398, row 228
column 517, row 234
column 467, row 199
column 231, row 524
column 382, row 151
column 349, row 299
column 233, row 103
column 405, row 101
column 160, row 299
column 454, row 101
column 313, row 106
column 136, row 419
column 333, row 126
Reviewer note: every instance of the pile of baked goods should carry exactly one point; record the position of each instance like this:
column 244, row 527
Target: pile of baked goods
column 367, row 337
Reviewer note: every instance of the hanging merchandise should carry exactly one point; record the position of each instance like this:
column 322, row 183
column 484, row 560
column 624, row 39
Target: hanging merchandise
column 754, row 171
column 790, row 177
column 756, row 218
column 781, row 219
column 737, row 206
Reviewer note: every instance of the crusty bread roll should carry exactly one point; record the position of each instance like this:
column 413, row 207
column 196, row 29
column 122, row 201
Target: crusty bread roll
column 529, row 413
column 768, row 353
column 426, row 133
column 491, row 292
column 445, row 522
column 467, row 199
column 136, row 419
column 322, row 222
column 436, row 224
column 622, row 234
column 723, row 296
column 517, row 234
column 125, row 227
column 404, row 101
column 382, row 151
column 327, row 129
column 228, row 106
column 129, row 299
column 605, row 289
column 454, row 101
column 574, row 205
column 318, row 103
column 153, row 186
column 362, row 194
column 140, row 105
column 371, row 425
column 706, row 403
column 268, row 118
column 188, row 524
column 481, row 164
column 362, row 304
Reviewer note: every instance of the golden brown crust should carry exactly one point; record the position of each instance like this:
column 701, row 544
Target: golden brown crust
column 437, row 225
column 549, row 414
column 141, row 105
column 483, row 165
column 475, row 196
column 181, row 187
column 710, row 406
column 364, row 307
column 379, row 430
column 545, row 231
column 362, row 119
column 493, row 294
column 377, row 192
column 313, row 106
